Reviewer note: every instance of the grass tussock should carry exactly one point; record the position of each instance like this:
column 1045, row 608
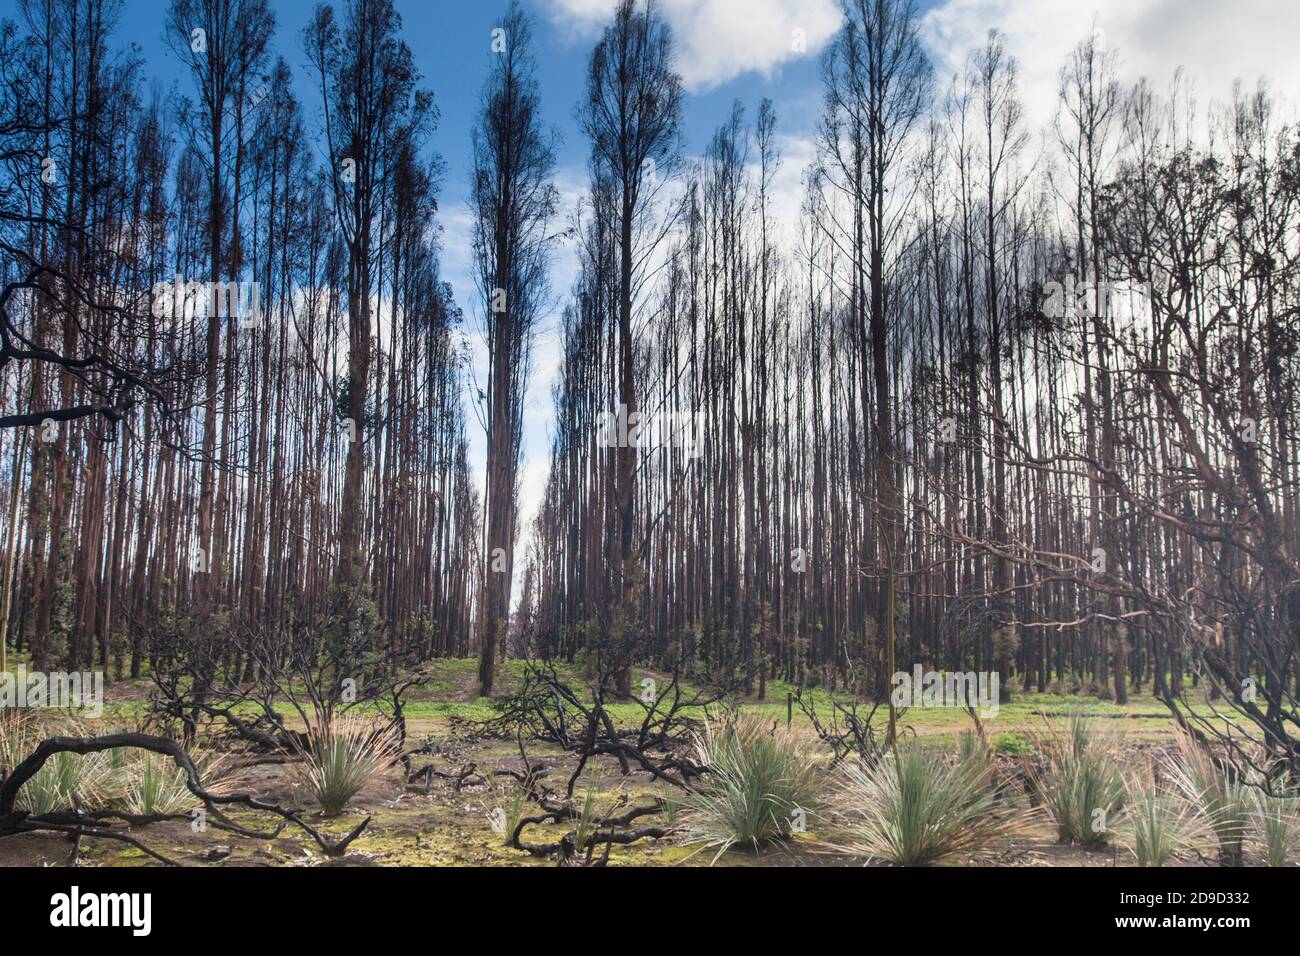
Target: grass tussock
column 506, row 815
column 762, row 786
column 152, row 784
column 1159, row 824
column 1080, row 782
column 920, row 809
column 1220, row 797
column 66, row 778
column 1277, row 826
column 670, row 810
column 341, row 757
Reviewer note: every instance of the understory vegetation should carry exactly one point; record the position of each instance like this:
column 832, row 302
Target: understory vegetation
column 761, row 785
column 727, row 781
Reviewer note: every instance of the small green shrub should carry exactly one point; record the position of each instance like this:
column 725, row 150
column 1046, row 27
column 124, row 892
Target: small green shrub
column 1013, row 743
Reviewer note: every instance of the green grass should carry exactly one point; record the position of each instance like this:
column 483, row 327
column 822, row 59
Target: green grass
column 451, row 693
column 1014, row 743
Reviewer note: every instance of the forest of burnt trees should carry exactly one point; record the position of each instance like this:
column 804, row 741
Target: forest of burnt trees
column 1044, row 381
column 213, row 466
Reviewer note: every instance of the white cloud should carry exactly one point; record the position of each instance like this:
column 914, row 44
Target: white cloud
column 1216, row 42
column 718, row 40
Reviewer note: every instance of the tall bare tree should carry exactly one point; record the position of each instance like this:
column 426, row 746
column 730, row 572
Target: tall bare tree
column 513, row 201
column 631, row 115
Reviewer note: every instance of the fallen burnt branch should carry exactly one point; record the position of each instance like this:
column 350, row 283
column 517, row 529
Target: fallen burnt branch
column 467, row 775
column 79, row 830
column 846, row 730
column 548, row 708
column 568, row 851
column 79, row 823
column 609, row 830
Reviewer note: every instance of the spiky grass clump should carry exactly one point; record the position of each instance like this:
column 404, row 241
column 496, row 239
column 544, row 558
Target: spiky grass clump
column 972, row 748
column 974, row 756
column 1277, row 825
column 670, row 810
column 341, row 756
column 1080, row 782
column 918, row 809
column 587, row 822
column 1158, row 823
column 1224, row 802
column 760, row 780
column 510, row 811
column 152, row 784
column 17, row 738
column 65, row 779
